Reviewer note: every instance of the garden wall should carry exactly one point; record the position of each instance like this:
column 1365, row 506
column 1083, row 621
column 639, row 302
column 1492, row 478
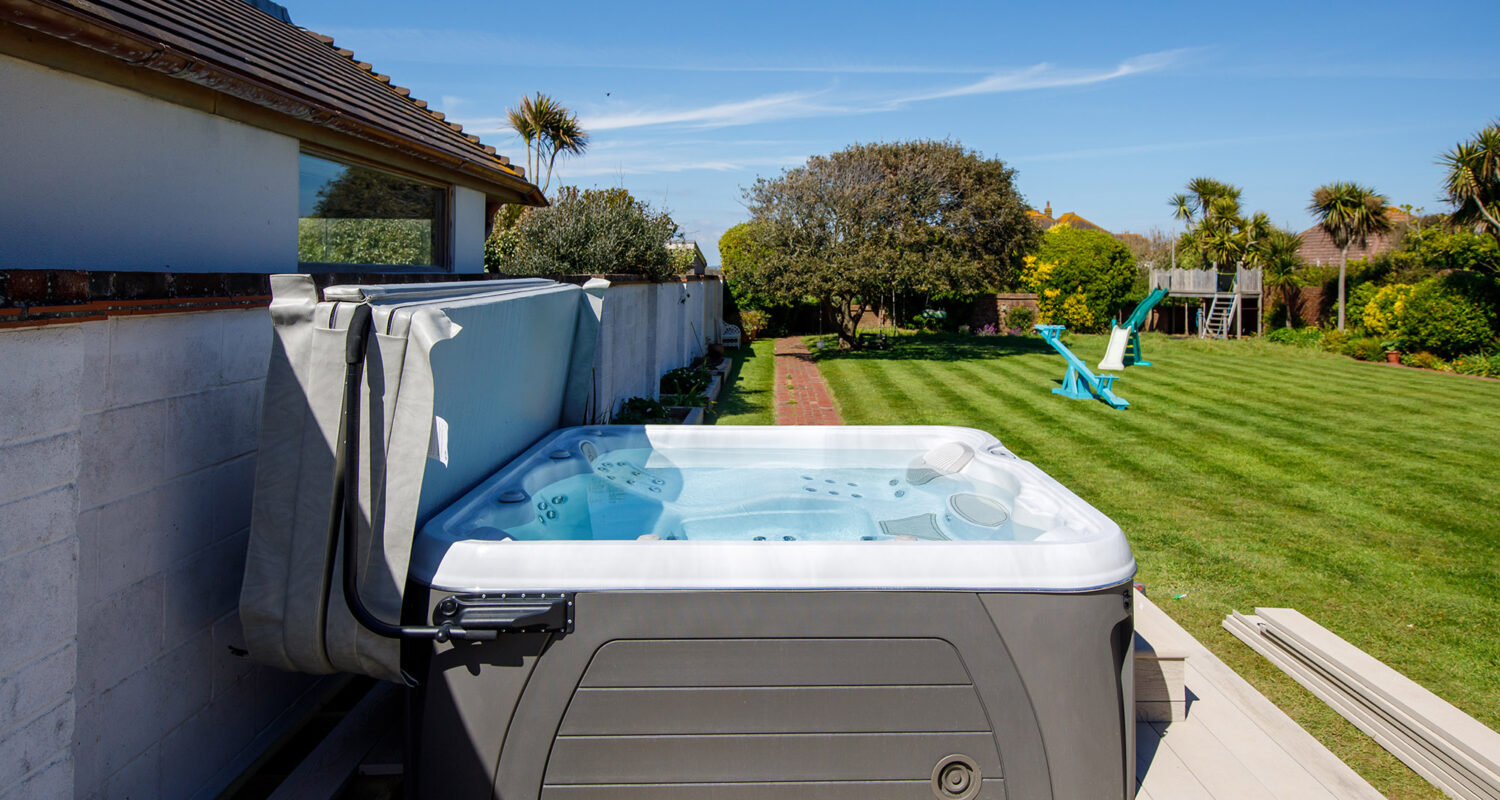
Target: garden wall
column 989, row 309
column 648, row 329
column 127, row 456
column 128, row 428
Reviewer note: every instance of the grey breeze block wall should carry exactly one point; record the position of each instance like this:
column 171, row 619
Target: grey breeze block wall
column 127, row 460
column 126, row 464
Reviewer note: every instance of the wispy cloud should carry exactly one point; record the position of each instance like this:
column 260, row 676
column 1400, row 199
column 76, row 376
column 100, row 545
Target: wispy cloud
column 647, row 165
column 1049, row 76
column 827, row 102
column 788, row 105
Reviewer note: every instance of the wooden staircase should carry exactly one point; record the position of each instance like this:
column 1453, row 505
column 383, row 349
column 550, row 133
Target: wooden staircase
column 1223, row 311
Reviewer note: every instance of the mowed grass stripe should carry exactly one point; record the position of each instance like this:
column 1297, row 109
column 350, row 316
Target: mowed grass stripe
column 1288, row 434
column 1249, row 474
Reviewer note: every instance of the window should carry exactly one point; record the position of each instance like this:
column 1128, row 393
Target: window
column 349, row 214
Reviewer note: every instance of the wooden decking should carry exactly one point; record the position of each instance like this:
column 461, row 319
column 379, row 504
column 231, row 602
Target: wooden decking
column 1233, row 743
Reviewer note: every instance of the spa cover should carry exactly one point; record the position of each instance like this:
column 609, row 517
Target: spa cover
column 459, row 379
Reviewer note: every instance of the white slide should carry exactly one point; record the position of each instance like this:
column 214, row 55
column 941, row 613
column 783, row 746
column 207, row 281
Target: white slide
column 1114, row 356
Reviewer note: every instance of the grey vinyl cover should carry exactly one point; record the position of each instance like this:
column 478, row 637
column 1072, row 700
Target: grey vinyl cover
column 459, row 379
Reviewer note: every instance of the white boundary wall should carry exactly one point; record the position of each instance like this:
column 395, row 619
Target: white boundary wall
column 651, row 328
column 126, row 463
column 127, row 457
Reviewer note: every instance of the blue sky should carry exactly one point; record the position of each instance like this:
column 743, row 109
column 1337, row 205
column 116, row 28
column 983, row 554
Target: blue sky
column 1104, row 109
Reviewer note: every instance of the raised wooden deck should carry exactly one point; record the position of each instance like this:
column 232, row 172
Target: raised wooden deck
column 1233, row 742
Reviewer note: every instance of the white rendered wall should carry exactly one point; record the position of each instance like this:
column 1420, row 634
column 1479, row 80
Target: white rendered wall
column 100, row 177
column 648, row 329
column 468, row 230
column 126, row 467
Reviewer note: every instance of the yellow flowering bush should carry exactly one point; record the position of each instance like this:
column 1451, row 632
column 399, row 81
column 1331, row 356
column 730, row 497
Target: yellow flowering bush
column 1053, row 306
column 1383, row 314
column 1076, row 313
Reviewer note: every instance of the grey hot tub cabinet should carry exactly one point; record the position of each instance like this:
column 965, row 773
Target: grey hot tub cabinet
column 741, row 695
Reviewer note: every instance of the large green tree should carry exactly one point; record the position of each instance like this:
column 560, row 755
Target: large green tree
column 1473, row 182
column 740, row 255
column 925, row 217
column 1350, row 214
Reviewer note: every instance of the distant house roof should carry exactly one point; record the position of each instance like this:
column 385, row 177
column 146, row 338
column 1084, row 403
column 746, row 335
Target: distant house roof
column 1045, row 221
column 1318, row 246
column 1074, row 221
column 234, row 48
column 691, row 257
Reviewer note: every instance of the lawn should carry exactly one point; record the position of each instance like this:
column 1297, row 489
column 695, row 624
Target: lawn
column 1253, row 474
column 751, row 397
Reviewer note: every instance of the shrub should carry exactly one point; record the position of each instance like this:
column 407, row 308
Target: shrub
column 1442, row 321
column 1020, row 317
column 686, row 380
column 1364, row 348
column 1333, row 340
column 1385, row 308
column 930, row 319
column 752, row 322
column 596, row 231
column 1425, row 361
column 1080, row 276
column 1478, row 364
column 1299, row 337
column 642, row 411
column 1435, row 248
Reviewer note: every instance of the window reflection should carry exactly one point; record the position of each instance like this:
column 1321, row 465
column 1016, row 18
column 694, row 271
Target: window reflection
column 350, row 214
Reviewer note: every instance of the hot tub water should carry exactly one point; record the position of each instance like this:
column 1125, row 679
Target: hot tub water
column 740, row 494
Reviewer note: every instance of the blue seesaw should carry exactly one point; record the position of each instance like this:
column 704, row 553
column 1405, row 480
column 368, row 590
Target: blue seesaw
column 1079, row 383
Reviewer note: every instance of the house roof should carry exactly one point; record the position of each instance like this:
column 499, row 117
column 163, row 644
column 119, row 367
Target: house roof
column 1318, row 247
column 234, row 48
column 1074, row 221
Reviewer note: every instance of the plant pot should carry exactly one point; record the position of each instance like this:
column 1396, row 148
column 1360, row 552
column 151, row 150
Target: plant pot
column 1393, row 356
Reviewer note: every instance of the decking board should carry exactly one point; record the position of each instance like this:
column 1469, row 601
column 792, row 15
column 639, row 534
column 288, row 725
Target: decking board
column 1234, row 742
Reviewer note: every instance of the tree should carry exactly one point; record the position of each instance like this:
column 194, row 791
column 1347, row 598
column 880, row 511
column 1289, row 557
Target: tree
column 740, row 256
column 593, row 232
column 850, row 228
column 549, row 130
column 1281, row 264
column 1350, row 214
column 1091, row 269
column 1473, row 182
column 1211, row 211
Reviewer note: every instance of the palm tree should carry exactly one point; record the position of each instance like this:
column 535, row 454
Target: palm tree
column 528, row 119
column 1208, row 208
column 562, row 134
column 1280, row 262
column 549, row 130
column 1349, row 214
column 1473, row 182
column 1182, row 209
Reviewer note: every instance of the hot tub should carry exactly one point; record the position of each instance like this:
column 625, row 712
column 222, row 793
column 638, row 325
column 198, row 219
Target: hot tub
column 747, row 612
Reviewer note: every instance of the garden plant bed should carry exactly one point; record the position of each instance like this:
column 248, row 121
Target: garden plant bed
column 1252, row 474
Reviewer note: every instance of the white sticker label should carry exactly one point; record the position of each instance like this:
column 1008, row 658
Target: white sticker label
column 437, row 444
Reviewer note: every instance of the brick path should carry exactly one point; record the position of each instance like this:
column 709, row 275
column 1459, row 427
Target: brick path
column 802, row 397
